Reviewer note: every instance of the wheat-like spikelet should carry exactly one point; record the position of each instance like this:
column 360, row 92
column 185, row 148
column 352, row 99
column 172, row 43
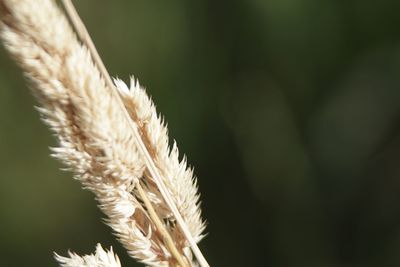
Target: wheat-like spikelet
column 96, row 139
column 179, row 179
column 101, row 258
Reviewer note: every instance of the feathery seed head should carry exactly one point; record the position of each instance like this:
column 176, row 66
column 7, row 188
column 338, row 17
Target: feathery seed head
column 95, row 141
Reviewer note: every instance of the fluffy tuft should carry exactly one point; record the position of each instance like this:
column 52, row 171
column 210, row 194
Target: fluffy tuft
column 101, row 258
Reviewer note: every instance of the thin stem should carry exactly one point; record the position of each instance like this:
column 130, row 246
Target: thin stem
column 160, row 227
column 85, row 38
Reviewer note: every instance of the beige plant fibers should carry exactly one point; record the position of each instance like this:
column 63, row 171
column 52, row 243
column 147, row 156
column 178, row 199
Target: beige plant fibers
column 101, row 258
column 109, row 135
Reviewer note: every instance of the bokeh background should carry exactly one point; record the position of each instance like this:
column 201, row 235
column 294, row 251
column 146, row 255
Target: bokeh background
column 289, row 111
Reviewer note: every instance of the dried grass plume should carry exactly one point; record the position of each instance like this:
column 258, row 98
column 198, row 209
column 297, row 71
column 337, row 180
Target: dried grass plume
column 109, row 135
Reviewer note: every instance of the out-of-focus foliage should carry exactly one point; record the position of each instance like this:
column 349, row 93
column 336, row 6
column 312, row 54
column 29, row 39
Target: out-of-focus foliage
column 289, row 111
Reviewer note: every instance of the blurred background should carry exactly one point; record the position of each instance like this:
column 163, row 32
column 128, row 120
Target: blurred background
column 289, row 111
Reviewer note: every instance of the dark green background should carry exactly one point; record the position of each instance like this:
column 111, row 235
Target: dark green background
column 289, row 110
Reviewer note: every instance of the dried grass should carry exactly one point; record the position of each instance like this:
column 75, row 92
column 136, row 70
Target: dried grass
column 109, row 136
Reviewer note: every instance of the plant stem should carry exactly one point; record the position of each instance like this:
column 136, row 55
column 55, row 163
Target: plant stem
column 85, row 38
column 160, row 227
